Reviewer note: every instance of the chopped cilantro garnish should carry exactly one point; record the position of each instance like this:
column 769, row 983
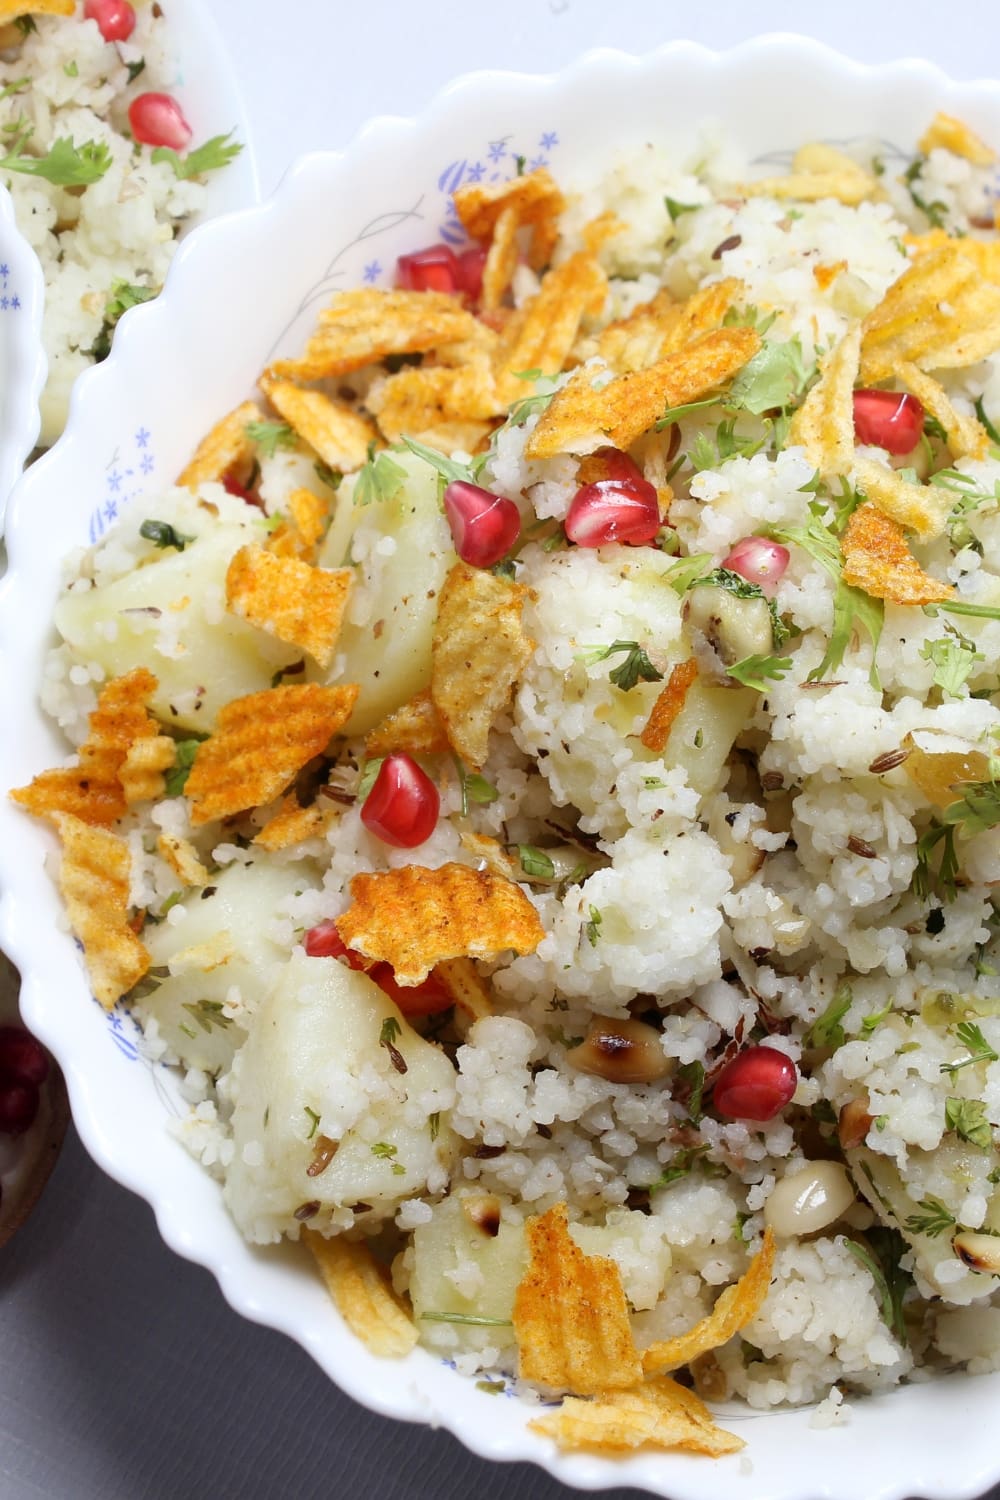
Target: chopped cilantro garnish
column 369, row 771
column 22, row 83
column 881, row 1258
column 163, row 535
column 535, row 862
column 693, row 1074
column 967, row 1118
column 826, row 1030
column 446, row 467
column 976, row 809
column 386, row 1152
column 682, row 574
column 970, row 1035
column 592, row 927
column 215, row 153
column 852, row 608
column 25, row 25
column 776, row 377
column 934, row 1219
column 176, row 778
column 927, row 880
column 680, row 1167
column 122, row 296
column 873, row 1021
column 207, row 1014
column 332, row 478
column 759, row 671
column 954, row 660
column 475, row 788
column 391, row 1029
column 135, row 68
column 314, row 1117
column 381, row 478
column 675, row 413
column 991, row 431
column 935, row 210
column 472, row 1320
column 675, row 209
column 268, row 437
column 64, row 165
column 749, row 317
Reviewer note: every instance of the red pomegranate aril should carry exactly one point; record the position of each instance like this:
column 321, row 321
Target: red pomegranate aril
column 21, row 1057
column 233, row 487
column 469, row 267
column 425, row 999
column 402, row 807
column 115, row 18
column 891, row 420
column 431, row 270
column 484, row 526
column 756, row 1085
column 158, row 120
column 324, row 941
column 758, row 560
column 621, row 508
column 18, row 1105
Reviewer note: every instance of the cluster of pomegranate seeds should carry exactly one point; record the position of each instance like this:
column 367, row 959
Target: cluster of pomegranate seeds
column 403, row 805
column 758, row 560
column 115, row 18
column 24, row 1067
column 484, row 526
column 756, row 1085
column 615, row 505
column 425, row 999
column 888, row 419
column 438, row 269
column 158, row 120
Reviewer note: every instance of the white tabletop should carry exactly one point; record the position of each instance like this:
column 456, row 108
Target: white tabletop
column 123, row 1374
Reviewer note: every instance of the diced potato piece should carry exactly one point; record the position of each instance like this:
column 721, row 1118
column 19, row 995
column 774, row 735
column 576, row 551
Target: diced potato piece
column 462, row 1269
column 385, row 643
column 313, row 1067
column 637, row 1245
column 702, row 735
column 220, row 942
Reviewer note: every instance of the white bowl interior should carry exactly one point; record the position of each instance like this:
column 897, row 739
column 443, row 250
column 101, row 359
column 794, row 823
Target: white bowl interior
column 22, row 362
column 240, row 290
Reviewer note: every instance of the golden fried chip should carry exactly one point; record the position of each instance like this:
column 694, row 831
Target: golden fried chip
column 293, row 601
column 414, row 918
column 571, row 1316
column 363, row 326
column 945, row 133
column 501, row 258
column 222, row 449
column 923, row 508
column 734, row 1310
column 304, row 529
column 599, row 231
column 540, row 335
column 141, row 772
column 261, row 742
column 824, row 423
column 877, row 560
column 966, row 438
column 11, row 9
column 92, row 789
column 466, row 986
column 94, row 881
column 941, row 313
column 580, row 418
column 703, row 312
column 362, row 1295
column 479, row 651
column 182, row 857
column 492, row 854
column 660, row 1414
column 443, row 406
column 415, row 727
column 818, row 172
column 635, row 342
column 292, row 823
column 668, row 705
column 338, row 433
column 532, row 199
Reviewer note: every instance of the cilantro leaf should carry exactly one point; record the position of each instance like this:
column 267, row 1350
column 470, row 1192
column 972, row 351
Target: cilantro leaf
column 976, row 809
column 934, row 211
column 635, row 666
column 176, row 778
column 682, row 574
column 381, row 478
column 680, row 1167
column 270, row 436
column 162, row 535
column 135, row 68
column 749, row 317
column 927, row 880
column 369, row 771
column 826, row 1030
column 475, row 788
column 872, row 1022
column 991, row 431
column 777, row 376
column 881, row 1257
column 122, row 296
column 675, row 413
column 934, row 1220
column 215, row 153
column 675, row 209
column 852, row 608
column 954, row 661
column 758, row 671
column 592, row 926
column 535, row 862
column 64, row 165
column 446, row 467
column 971, row 1036
column 693, row 1074
column 967, row 1118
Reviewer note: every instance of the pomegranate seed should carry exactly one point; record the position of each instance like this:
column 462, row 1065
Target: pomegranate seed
column 618, row 506
column 402, row 807
column 233, row 487
column 469, row 268
column 434, row 269
column 18, row 1105
column 484, row 526
column 324, row 941
column 756, row 1085
column 158, row 120
column 425, row 999
column 888, row 419
column 115, row 18
column 21, row 1057
column 758, row 560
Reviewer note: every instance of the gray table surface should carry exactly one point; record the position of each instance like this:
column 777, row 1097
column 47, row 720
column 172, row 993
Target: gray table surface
column 123, row 1374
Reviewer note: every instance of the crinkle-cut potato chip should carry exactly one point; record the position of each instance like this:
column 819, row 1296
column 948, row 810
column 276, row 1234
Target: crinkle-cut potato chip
column 818, row 172
column 11, row 9
column 260, row 742
column 415, row 727
column 877, row 560
column 469, row 991
column 923, row 508
column 703, row 312
column 292, row 823
column 571, row 1318
column 580, row 418
column 635, row 342
column 478, row 652
column 362, row 1295
column 304, row 529
column 540, row 335
column 92, row 789
column 182, row 857
column 414, row 918
column 94, row 881
column 492, row 854
column 444, row 407
column 533, row 199
column 945, row 133
column 966, row 438
column 222, row 449
column 293, row 601
column 501, row 258
column 943, row 312
column 824, row 423
column 142, row 771
column 599, row 231
column 338, row 433
column 660, row 1414
column 668, row 705
column 363, row 326
column 736, row 1307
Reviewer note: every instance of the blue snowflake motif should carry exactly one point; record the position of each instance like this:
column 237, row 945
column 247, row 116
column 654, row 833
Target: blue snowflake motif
column 536, row 162
column 116, row 1022
column 548, row 140
column 114, row 481
column 372, row 271
column 497, row 149
column 4, row 272
column 15, row 303
column 142, row 438
column 148, row 463
column 477, row 172
column 110, row 511
column 4, row 303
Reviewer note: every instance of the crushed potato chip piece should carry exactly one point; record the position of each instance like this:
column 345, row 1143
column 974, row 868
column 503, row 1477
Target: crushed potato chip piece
column 445, row 407
column 571, row 1316
column 305, row 528
column 923, row 508
column 299, row 604
column 182, row 857
column 92, row 789
column 141, row 772
column 222, row 449
column 941, row 313
column 734, row 1310
column 415, row 727
column 363, row 326
column 703, row 312
column 824, row 423
column 966, row 438
column 877, row 560
column 362, row 1295
column 479, row 651
column 635, row 342
column 818, row 172
column 580, row 418
column 668, row 705
column 492, row 853
column 540, row 335
column 532, row 199
column 599, row 231
column 414, row 918
column 660, row 1414
column 94, row 881
column 468, row 989
column 338, row 433
column 261, row 741
column 292, row 823
column 945, row 133
column 501, row 258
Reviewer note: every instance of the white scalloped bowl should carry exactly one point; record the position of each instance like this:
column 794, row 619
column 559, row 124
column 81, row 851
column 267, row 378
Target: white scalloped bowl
column 22, row 359
column 240, row 290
